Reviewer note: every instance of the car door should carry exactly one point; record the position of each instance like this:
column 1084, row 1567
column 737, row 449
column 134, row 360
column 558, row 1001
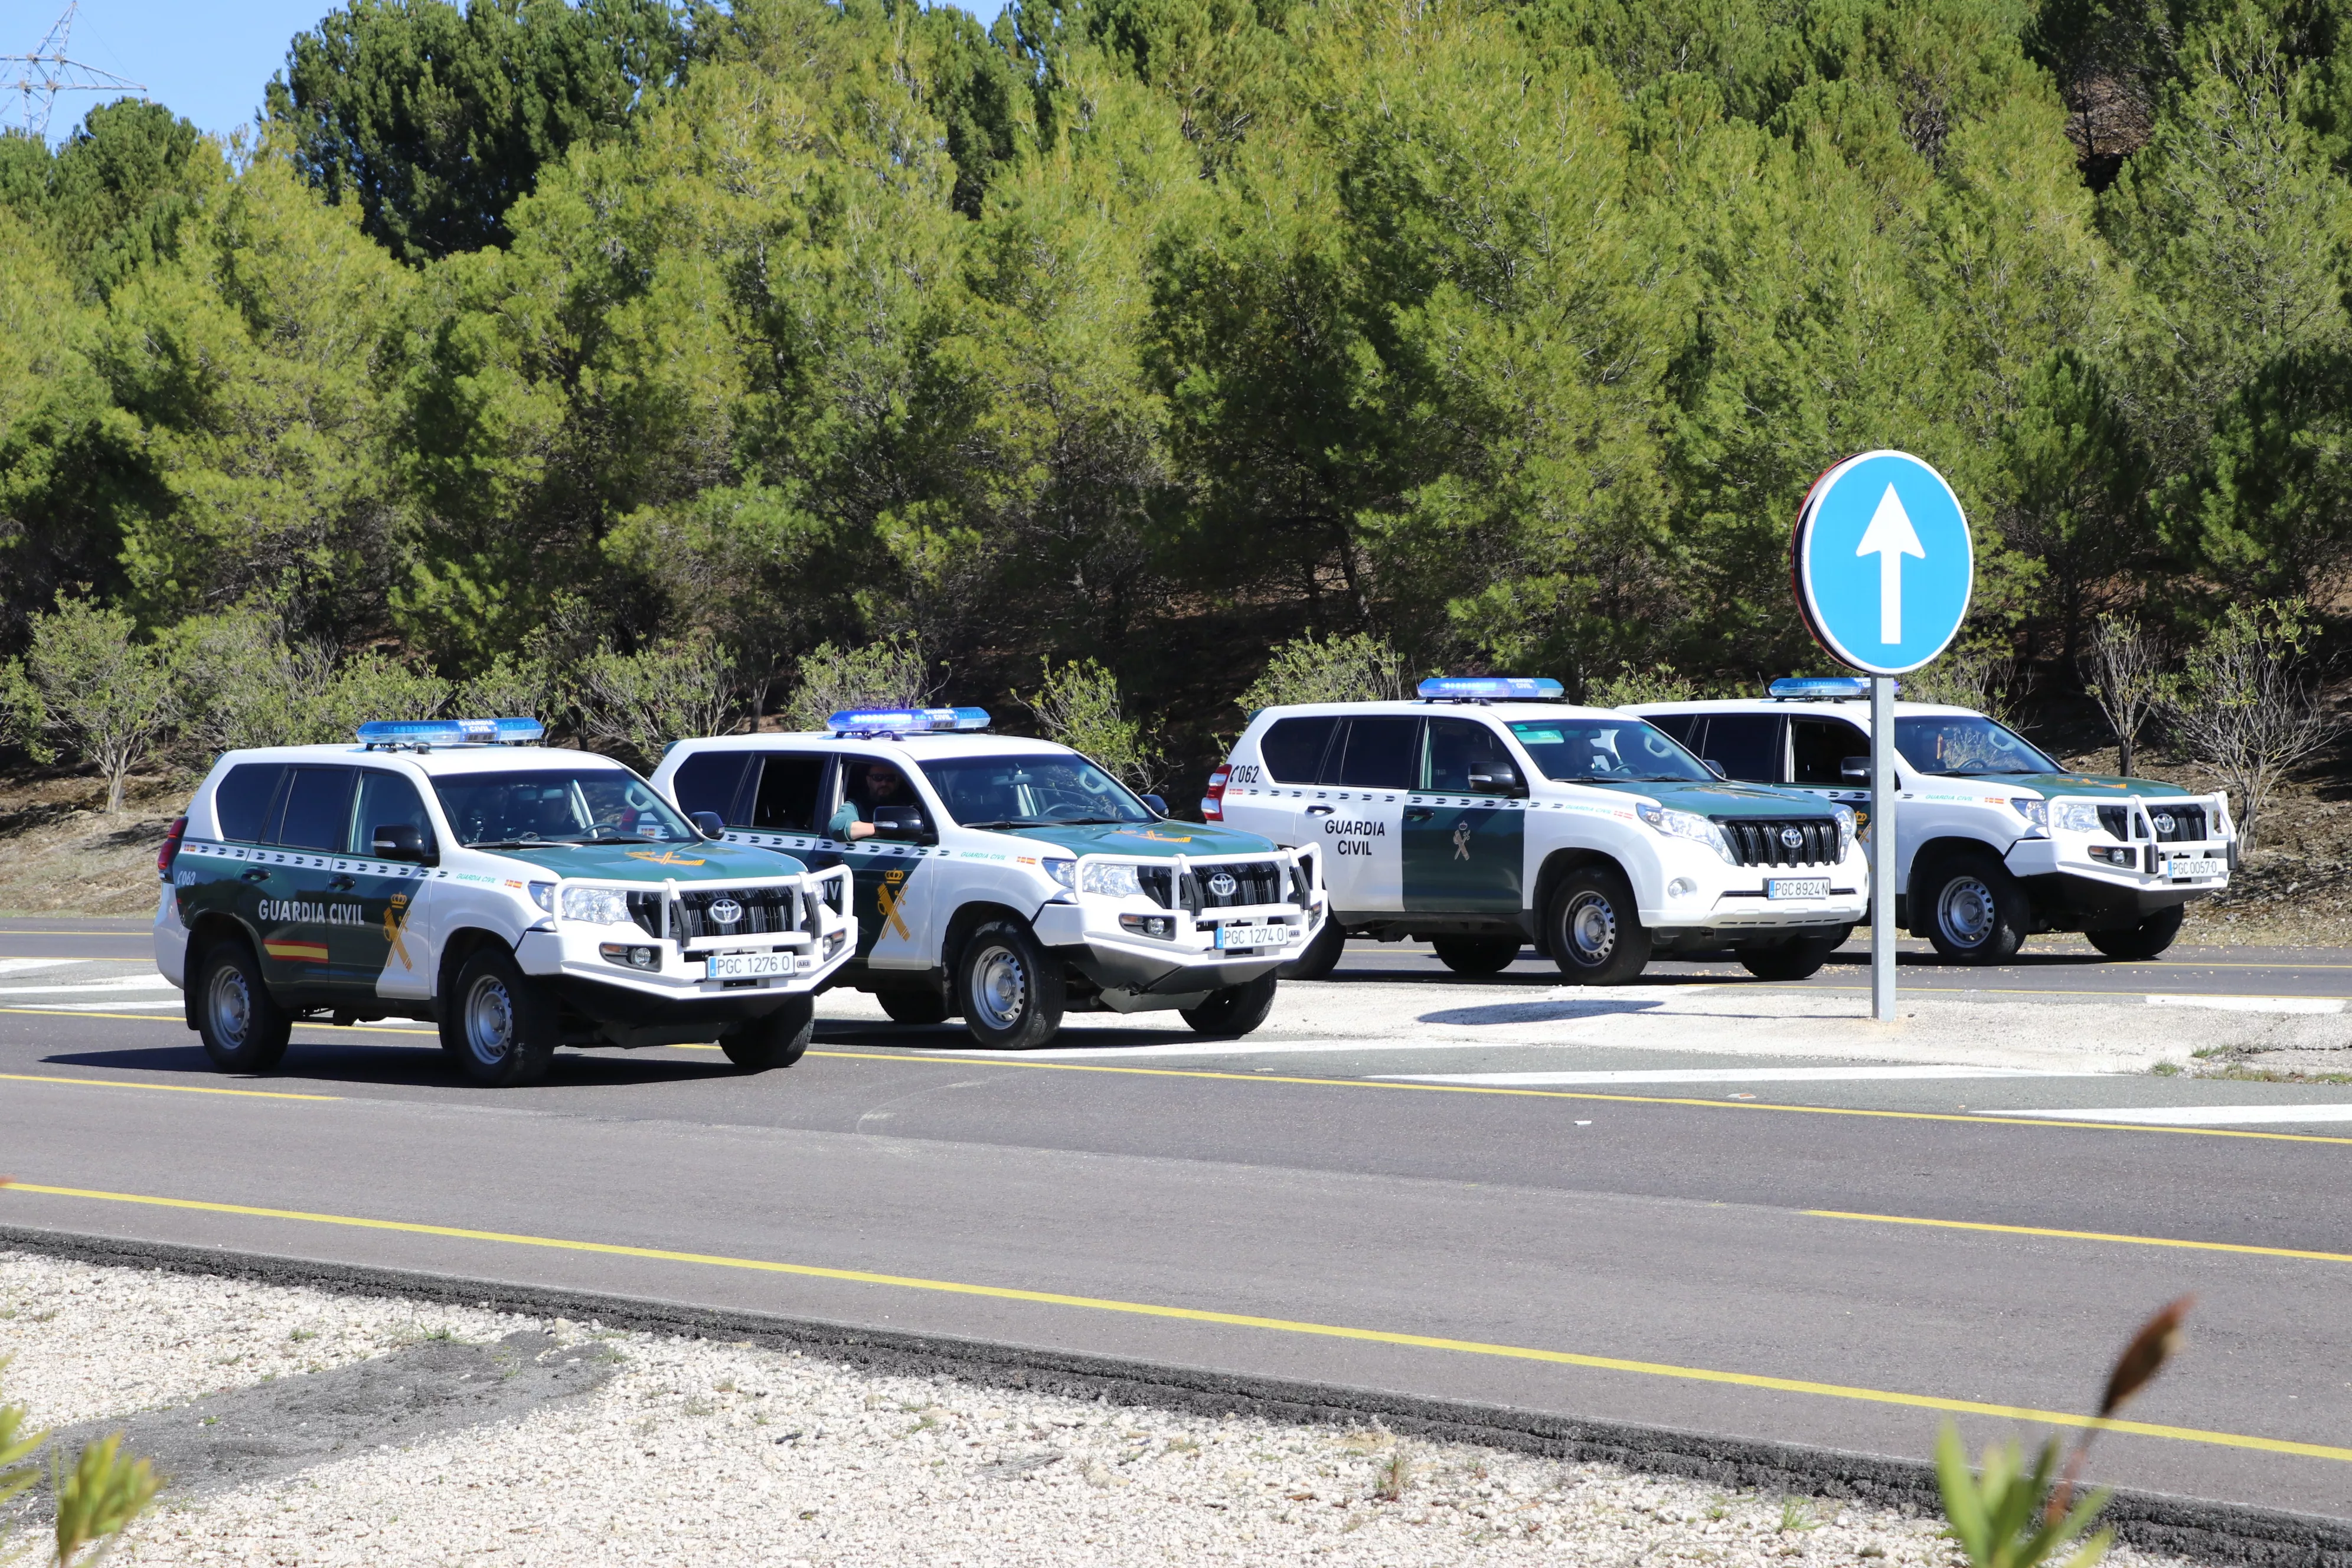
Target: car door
column 1818, row 752
column 244, row 812
column 304, row 896
column 1270, row 795
column 1464, row 843
column 1357, row 813
column 895, row 879
column 386, row 953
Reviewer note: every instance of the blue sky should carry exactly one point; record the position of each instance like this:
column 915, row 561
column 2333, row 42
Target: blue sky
column 208, row 59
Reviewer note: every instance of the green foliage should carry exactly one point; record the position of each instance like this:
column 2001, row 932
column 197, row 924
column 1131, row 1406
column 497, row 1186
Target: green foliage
column 89, row 688
column 239, row 683
column 1357, row 667
column 1628, row 686
column 2246, row 705
column 1977, row 673
column 2000, row 1514
column 1079, row 706
column 635, row 704
column 96, row 1500
column 885, row 674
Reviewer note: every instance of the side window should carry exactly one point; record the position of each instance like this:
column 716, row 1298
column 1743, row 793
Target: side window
column 242, row 802
column 317, row 810
column 386, row 800
column 1454, row 746
column 1374, row 753
column 708, row 781
column 1819, row 747
column 1293, row 749
column 786, row 800
column 1747, row 744
column 1683, row 727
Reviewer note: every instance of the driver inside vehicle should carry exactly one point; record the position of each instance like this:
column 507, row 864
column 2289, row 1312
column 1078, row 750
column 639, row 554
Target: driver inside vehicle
column 864, row 787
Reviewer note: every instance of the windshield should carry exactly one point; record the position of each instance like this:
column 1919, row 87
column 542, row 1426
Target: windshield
column 558, row 805
column 1603, row 750
column 1030, row 791
column 1967, row 744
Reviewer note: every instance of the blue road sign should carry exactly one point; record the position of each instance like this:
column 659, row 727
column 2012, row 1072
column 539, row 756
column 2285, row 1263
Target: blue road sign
column 1881, row 563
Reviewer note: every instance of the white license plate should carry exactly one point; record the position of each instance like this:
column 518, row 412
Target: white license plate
column 1270, row 935
column 1797, row 887
column 2200, row 867
column 745, row 965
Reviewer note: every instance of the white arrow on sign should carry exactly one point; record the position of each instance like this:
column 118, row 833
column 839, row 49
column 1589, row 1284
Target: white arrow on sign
column 1890, row 537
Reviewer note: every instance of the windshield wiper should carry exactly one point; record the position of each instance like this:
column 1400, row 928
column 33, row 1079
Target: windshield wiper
column 524, row 844
column 1007, row 822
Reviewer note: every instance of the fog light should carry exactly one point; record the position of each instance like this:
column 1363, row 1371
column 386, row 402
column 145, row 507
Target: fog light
column 833, row 944
column 1681, row 888
column 2114, row 855
column 1160, row 926
column 630, row 957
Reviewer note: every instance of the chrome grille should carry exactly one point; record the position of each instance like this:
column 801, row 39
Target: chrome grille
column 766, row 911
column 2187, row 822
column 1763, row 841
column 1255, row 882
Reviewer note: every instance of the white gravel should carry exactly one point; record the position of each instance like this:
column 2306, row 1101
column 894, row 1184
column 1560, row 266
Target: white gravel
column 710, row 1453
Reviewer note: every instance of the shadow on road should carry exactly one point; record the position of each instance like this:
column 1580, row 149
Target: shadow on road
column 421, row 1066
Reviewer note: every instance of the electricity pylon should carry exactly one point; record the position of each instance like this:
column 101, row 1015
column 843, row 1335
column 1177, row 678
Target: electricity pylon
column 35, row 80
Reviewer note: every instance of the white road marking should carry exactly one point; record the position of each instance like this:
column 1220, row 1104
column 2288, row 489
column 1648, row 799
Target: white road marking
column 23, row 965
column 2194, row 1115
column 2253, row 1004
column 87, row 1007
column 138, row 982
column 1725, row 1075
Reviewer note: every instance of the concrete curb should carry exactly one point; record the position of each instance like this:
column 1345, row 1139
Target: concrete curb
column 2154, row 1521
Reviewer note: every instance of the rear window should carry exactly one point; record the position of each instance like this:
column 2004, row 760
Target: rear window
column 317, row 810
column 707, row 781
column 241, row 802
column 786, row 800
column 1292, row 750
column 1375, row 753
column 1744, row 745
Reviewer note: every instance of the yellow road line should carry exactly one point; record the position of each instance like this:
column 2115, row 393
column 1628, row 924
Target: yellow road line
column 1244, row 1320
column 176, row 1018
column 2087, row 1236
column 1970, row 1119
column 164, row 1088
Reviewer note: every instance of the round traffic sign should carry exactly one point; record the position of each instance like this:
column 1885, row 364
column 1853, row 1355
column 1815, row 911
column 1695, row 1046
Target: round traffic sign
column 1881, row 563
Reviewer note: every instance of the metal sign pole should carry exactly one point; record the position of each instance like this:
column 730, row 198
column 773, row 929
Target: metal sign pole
column 1882, row 845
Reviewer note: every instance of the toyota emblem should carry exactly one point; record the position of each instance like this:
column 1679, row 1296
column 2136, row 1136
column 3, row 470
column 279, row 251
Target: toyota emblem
column 1223, row 885
column 2164, row 822
column 725, row 912
column 1792, row 837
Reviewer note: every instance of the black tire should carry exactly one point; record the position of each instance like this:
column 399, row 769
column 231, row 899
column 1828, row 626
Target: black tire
column 913, row 1007
column 1320, row 956
column 1233, row 1011
column 1976, row 912
column 2146, row 940
column 499, row 1024
column 1476, row 954
column 778, row 1040
column 243, row 1028
column 1596, row 933
column 1011, row 989
column 1792, row 957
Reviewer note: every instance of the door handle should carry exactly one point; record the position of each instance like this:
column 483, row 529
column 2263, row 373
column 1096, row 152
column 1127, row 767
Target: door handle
column 1420, row 813
column 342, row 884
column 1318, row 811
column 256, row 874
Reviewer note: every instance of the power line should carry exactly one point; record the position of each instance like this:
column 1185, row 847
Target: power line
column 38, row 78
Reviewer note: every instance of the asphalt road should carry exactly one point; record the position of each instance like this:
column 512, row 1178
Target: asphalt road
column 1842, row 1261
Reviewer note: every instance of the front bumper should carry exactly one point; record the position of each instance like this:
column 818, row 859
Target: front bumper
column 2093, row 876
column 1702, row 893
column 1136, row 945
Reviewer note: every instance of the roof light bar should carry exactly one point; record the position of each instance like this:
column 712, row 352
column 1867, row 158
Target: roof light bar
column 1489, row 687
column 427, row 733
column 1818, row 686
column 905, row 721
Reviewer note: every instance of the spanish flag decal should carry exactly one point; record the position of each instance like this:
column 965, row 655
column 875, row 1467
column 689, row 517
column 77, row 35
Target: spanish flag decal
column 298, row 952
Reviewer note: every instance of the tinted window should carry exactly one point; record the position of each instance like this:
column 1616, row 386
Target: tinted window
column 387, row 800
column 1678, row 725
column 553, row 806
column 707, row 781
column 1747, row 745
column 317, row 810
column 1819, row 747
column 1020, row 791
column 1454, row 747
column 1598, row 750
column 1292, row 750
column 241, row 800
column 788, row 791
column 1375, row 753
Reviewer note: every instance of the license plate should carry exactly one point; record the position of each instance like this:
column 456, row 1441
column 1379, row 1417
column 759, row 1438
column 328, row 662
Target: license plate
column 745, row 965
column 2200, row 865
column 1271, row 935
column 1797, row 887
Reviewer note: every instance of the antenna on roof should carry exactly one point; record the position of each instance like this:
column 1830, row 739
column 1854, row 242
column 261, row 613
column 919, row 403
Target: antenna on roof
column 35, row 80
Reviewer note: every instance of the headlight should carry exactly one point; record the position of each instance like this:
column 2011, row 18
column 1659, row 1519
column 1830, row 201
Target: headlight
column 1684, row 825
column 1111, row 878
column 1062, row 871
column 1845, row 815
column 2079, row 817
column 2035, row 812
column 596, row 906
column 543, row 894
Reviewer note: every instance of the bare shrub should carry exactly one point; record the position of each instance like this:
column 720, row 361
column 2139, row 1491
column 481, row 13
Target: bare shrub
column 1078, row 705
column 2246, row 707
column 2123, row 670
column 885, row 674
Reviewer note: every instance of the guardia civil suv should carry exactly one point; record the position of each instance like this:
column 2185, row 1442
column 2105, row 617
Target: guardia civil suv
column 522, row 898
column 1007, row 882
column 1487, row 814
column 1994, row 841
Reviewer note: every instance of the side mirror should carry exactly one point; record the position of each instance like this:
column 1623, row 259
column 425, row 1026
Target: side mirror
column 1159, row 807
column 1855, row 768
column 1715, row 767
column 1495, row 777
column 708, row 823
column 401, row 841
column 902, row 822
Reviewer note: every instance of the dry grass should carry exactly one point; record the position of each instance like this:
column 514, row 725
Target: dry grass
column 61, row 855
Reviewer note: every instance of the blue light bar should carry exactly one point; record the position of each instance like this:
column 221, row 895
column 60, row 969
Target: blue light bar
column 1489, row 687
column 450, row 732
column 905, row 720
column 1818, row 686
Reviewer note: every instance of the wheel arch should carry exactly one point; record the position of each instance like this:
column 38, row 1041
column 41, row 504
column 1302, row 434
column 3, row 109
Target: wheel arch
column 1555, row 870
column 968, row 918
column 456, row 948
column 1925, row 861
